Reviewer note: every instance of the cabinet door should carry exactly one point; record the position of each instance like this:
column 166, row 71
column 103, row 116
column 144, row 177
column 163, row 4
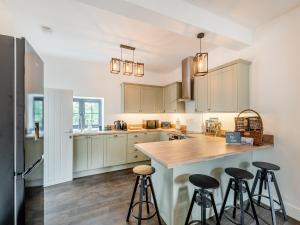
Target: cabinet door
column 96, row 152
column 132, row 98
column 164, row 136
column 151, row 136
column 168, row 99
column 200, row 87
column 223, row 90
column 115, row 151
column 159, row 106
column 148, row 99
column 80, row 154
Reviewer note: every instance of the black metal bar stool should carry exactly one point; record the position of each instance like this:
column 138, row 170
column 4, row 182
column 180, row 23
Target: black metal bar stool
column 143, row 180
column 265, row 175
column 203, row 197
column 239, row 184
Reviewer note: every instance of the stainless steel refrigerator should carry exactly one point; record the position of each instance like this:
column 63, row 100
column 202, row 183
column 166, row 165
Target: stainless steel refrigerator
column 21, row 129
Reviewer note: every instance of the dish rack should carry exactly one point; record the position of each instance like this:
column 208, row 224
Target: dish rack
column 250, row 126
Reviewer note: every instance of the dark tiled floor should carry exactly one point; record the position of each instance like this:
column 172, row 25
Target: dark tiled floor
column 95, row 200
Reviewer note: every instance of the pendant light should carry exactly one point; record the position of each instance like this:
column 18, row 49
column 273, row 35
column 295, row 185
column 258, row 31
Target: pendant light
column 115, row 65
column 200, row 60
column 129, row 66
column 139, row 69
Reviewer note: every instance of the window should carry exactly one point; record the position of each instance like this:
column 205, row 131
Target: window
column 38, row 112
column 87, row 113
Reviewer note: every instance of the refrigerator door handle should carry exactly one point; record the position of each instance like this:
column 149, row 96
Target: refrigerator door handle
column 30, row 169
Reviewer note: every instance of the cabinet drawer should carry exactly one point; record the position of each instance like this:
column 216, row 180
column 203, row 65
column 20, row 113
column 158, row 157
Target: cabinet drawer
column 136, row 157
column 135, row 138
column 132, row 149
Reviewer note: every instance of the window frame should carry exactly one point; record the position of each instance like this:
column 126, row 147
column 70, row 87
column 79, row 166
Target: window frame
column 34, row 99
column 82, row 118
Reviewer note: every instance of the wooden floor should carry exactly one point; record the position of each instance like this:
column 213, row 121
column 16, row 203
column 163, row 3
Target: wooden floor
column 95, row 200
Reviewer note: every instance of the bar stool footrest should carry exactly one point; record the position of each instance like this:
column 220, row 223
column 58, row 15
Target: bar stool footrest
column 197, row 222
column 143, row 218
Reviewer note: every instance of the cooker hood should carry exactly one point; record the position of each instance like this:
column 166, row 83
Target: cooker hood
column 187, row 79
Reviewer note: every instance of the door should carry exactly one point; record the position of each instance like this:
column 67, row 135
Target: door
column 132, row 98
column 223, row 90
column 81, row 146
column 96, row 152
column 115, row 151
column 201, row 94
column 7, row 130
column 148, row 99
column 58, row 136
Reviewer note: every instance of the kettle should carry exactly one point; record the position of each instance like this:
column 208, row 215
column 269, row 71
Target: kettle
column 117, row 125
column 123, row 125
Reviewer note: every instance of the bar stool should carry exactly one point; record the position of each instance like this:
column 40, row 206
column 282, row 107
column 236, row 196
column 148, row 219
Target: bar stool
column 202, row 197
column 143, row 180
column 265, row 175
column 239, row 184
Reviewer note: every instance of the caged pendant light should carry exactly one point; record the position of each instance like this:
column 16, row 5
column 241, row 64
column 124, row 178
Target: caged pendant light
column 200, row 60
column 129, row 66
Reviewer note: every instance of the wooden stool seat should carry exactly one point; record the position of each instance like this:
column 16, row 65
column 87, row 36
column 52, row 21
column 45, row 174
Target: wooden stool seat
column 144, row 170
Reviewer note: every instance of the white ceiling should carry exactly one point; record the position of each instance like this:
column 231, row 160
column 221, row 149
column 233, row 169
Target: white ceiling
column 92, row 33
column 250, row 13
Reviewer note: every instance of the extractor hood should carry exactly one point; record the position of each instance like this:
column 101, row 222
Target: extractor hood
column 187, row 79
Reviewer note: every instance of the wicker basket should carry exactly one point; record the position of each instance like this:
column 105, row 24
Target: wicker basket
column 250, row 126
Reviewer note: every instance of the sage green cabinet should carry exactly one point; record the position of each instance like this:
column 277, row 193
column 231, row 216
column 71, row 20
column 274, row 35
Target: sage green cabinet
column 172, row 94
column 80, row 156
column 115, row 150
column 223, row 89
column 200, row 94
column 96, row 152
column 138, row 98
column 131, row 98
column 88, row 153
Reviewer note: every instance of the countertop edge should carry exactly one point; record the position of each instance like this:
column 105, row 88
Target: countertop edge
column 171, row 166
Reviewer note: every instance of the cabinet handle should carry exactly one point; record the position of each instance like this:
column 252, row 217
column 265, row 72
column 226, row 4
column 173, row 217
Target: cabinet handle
column 135, row 150
column 196, row 110
column 135, row 142
column 136, row 135
column 135, row 156
column 115, row 135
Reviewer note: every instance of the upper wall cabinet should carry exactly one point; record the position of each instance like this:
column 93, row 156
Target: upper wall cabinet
column 172, row 94
column 223, row 89
column 138, row 98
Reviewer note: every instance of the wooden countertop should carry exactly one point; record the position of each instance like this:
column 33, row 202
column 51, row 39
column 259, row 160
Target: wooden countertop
column 96, row 132
column 192, row 150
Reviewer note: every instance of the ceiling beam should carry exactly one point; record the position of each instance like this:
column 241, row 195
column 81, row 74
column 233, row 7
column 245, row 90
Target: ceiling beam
column 180, row 17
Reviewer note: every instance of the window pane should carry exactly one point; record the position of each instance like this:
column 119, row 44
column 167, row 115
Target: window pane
column 76, row 107
column 95, row 119
column 87, row 119
column 38, row 107
column 91, row 107
column 75, row 119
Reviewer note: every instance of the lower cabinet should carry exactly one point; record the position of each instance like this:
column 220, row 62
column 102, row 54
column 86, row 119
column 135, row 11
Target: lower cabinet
column 115, row 151
column 88, row 152
column 103, row 150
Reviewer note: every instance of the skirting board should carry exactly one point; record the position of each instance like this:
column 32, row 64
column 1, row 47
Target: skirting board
column 107, row 169
column 292, row 210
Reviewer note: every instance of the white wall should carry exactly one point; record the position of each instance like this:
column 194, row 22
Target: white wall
column 274, row 93
column 6, row 22
column 91, row 79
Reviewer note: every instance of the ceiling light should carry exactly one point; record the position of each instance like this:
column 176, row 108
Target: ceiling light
column 115, row 65
column 200, row 60
column 139, row 69
column 129, row 66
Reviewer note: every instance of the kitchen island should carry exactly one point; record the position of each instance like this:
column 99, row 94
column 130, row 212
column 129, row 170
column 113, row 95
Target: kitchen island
column 175, row 161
